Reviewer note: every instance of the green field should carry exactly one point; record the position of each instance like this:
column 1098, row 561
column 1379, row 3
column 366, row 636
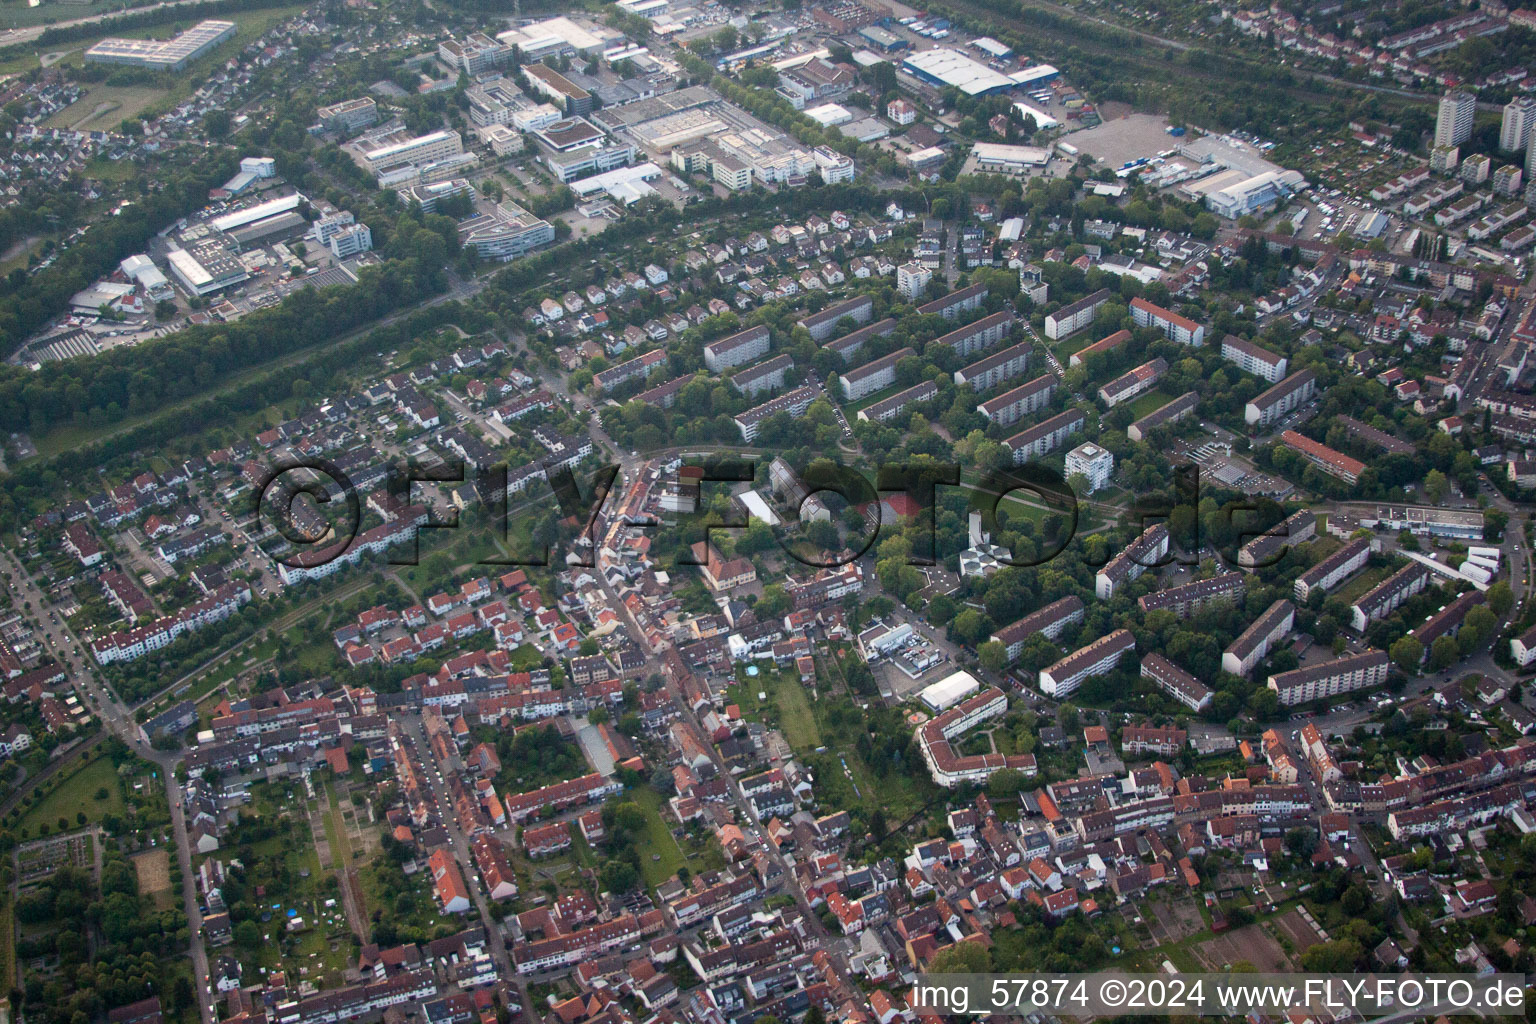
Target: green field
column 787, row 705
column 1367, row 579
column 104, row 107
column 660, row 856
column 76, row 795
column 1149, row 402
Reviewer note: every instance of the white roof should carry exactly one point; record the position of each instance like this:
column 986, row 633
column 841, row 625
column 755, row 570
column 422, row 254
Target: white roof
column 954, row 68
column 1042, row 119
column 829, row 114
column 1034, row 74
column 758, row 508
column 251, row 214
column 997, row 153
column 610, row 180
column 949, row 691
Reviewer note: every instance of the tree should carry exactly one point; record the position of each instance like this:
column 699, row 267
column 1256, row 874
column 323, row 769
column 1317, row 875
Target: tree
column 1435, row 486
column 961, row 958
column 1443, row 653
column 1301, row 842
column 1005, row 783
column 1500, row 598
column 1406, row 654
column 216, row 123
column 993, row 655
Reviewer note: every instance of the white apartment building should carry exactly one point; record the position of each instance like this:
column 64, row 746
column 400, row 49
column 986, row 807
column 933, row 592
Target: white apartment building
column 912, row 279
column 1096, row 465
column 1063, row 678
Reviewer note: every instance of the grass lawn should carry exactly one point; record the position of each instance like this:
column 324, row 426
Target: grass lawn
column 1368, row 578
column 77, row 794
column 787, row 705
column 106, row 106
column 1149, row 402
column 660, row 856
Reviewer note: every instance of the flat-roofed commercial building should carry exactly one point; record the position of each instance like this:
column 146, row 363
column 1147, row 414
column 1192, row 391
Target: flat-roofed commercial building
column 1174, row 327
column 1175, row 682
column 206, row 268
column 1011, row 406
column 475, row 54
column 1049, row 622
column 1281, row 399
column 821, row 324
column 422, row 149
column 1254, row 359
column 1045, row 437
column 1071, row 318
column 1334, row 463
column 996, row 368
column 571, row 98
column 1254, row 644
column 1174, row 410
column 1333, row 570
column 1063, row 678
column 163, row 54
column 507, row 232
column 872, row 376
column 1330, row 678
column 1388, row 595
column 349, row 115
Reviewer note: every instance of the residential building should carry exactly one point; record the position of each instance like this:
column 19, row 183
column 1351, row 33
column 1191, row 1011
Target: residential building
column 872, row 376
column 1388, row 595
column 1255, row 642
column 1176, row 682
column 1330, row 678
column 1095, row 464
column 1141, row 554
column 1063, row 678
column 996, row 368
column 1174, row 327
column 1453, row 123
column 1070, row 319
column 1333, row 570
column 1282, row 399
column 1045, row 437
column 1012, row 406
column 1251, row 358
column 1048, row 622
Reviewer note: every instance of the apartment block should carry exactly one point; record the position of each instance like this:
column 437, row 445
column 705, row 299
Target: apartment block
column 1254, row 644
column 1330, row 678
column 996, row 368
column 1045, row 437
column 1012, row 406
column 1062, row 679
